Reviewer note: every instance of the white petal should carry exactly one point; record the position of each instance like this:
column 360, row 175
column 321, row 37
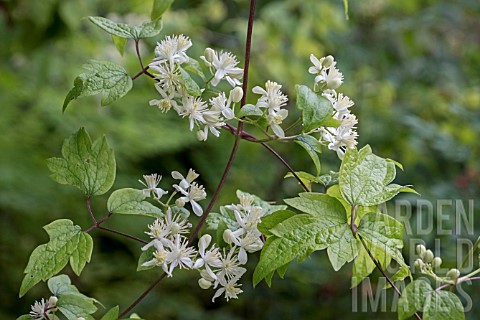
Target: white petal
column 197, row 209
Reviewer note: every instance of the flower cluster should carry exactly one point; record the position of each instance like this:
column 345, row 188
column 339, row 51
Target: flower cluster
column 175, row 85
column 328, row 79
column 44, row 309
column 222, row 269
column 272, row 99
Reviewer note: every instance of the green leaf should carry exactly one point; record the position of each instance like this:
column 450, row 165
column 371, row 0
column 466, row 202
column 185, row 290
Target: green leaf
column 400, row 275
column 193, row 66
column 67, row 242
column 190, row 85
column 249, row 110
column 325, row 226
column 413, row 298
column 365, row 178
column 383, row 232
column 91, row 168
column 131, row 201
column 60, row 285
column 159, row 8
column 316, row 109
column 112, row 314
column 443, row 305
column 145, row 30
column 306, row 178
column 145, row 256
column 363, row 265
column 313, row 147
column 25, row 317
column 272, row 220
column 73, row 306
column 329, row 179
column 120, row 43
column 104, row 77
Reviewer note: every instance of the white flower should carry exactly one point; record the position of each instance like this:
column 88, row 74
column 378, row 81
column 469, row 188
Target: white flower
column 160, row 258
column 275, row 119
column 327, row 73
column 230, row 288
column 320, row 64
column 225, row 66
column 340, row 103
column 342, row 137
column 180, row 254
column 152, row 181
column 193, row 194
column 185, row 181
column 193, row 108
column 246, row 241
column 230, row 266
column 167, row 101
column 168, row 77
column 168, row 227
column 246, row 202
column 209, row 258
column 222, row 104
column 172, row 49
column 42, row 309
column 272, row 97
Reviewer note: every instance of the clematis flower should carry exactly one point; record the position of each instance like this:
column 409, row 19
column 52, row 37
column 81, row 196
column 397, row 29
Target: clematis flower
column 151, row 182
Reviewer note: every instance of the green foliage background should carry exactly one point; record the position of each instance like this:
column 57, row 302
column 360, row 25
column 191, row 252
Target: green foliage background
column 412, row 68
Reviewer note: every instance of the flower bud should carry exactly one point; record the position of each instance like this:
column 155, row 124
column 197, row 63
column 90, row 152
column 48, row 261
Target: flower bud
column 209, row 54
column 228, row 236
column 236, row 94
column 421, row 250
column 334, row 83
column 428, row 256
column 453, row 274
column 437, row 261
column 327, row 61
column 180, row 203
column 52, row 301
column 204, row 284
column 418, row 263
column 201, row 136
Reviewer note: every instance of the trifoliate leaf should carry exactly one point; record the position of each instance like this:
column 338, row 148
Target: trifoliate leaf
column 249, row 110
column 131, row 201
column 324, row 226
column 443, row 305
column 145, row 30
column 91, row 168
column 316, row 109
column 383, row 232
column 313, row 147
column 120, row 43
column 413, row 298
column 189, row 84
column 104, row 77
column 112, row 314
column 67, row 242
column 365, row 178
column 159, row 8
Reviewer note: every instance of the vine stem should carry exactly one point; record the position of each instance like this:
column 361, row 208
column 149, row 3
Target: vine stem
column 139, row 56
column 228, row 166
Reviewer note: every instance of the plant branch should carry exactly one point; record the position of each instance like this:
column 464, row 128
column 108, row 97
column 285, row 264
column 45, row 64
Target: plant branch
column 379, row 267
column 144, row 69
column 122, row 234
column 89, row 208
column 142, row 296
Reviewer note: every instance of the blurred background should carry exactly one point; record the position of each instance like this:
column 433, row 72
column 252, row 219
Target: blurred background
column 412, row 68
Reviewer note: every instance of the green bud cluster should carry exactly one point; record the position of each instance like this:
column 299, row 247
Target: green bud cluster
column 427, row 260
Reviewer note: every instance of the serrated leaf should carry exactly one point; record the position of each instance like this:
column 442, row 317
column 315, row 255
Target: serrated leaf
column 159, row 8
column 316, row 109
column 313, row 147
column 249, row 110
column 443, row 305
column 104, row 77
column 272, row 220
column 131, row 201
column 324, row 226
column 363, row 265
column 120, row 43
column 66, row 241
column 365, row 178
column 413, row 298
column 91, row 168
column 145, row 256
column 384, row 233
column 112, row 314
column 190, row 85
column 145, row 30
